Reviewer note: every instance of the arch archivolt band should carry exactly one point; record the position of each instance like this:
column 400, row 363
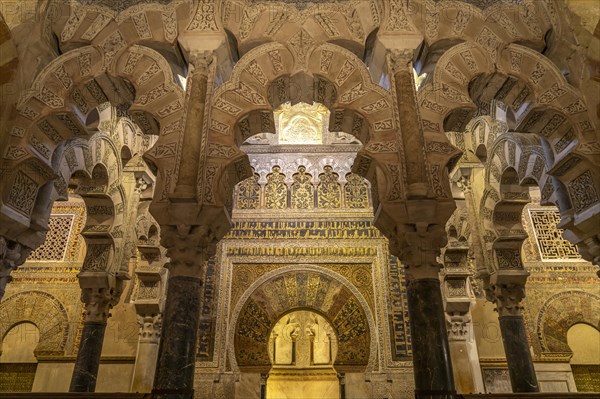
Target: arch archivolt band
column 373, row 344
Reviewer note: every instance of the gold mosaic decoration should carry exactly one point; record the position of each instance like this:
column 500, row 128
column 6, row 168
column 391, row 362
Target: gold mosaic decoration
column 356, row 192
column 303, row 191
column 549, row 239
column 276, row 190
column 301, row 123
column 248, row 193
column 17, row 377
column 329, row 190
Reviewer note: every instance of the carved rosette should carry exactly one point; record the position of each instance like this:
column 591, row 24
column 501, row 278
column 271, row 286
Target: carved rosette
column 188, row 247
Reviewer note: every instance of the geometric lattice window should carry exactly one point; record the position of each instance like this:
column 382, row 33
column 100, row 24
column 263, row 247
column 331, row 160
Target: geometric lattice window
column 57, row 238
column 548, row 237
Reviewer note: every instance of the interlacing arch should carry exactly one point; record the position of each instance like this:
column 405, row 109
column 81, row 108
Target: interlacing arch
column 527, row 92
column 160, row 22
column 267, row 77
column 527, row 20
column 255, row 24
column 540, row 97
column 69, row 89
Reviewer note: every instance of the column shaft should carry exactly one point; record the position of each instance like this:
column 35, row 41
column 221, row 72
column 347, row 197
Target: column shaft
column 431, row 353
column 88, row 357
column 147, row 353
column 174, row 377
column 518, row 356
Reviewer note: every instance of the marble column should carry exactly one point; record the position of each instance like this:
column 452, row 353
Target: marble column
column 431, row 352
column 12, row 255
column 188, row 248
column 514, row 337
column 98, row 301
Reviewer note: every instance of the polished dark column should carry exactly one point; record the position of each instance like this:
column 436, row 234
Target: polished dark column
column 177, row 352
column 88, row 357
column 188, row 248
column 98, row 302
column 431, row 353
column 508, row 298
column 518, row 356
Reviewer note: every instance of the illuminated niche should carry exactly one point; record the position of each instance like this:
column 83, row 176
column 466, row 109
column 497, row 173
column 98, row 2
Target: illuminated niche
column 302, row 339
column 301, row 123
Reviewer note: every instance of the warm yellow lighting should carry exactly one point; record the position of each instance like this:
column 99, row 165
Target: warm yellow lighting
column 301, row 123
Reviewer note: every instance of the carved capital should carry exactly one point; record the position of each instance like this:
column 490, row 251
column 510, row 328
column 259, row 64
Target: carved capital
column 98, row 302
column 418, row 249
column 201, row 61
column 508, row 299
column 401, row 60
column 188, row 248
column 464, row 183
column 457, row 326
column 12, row 255
column 150, row 327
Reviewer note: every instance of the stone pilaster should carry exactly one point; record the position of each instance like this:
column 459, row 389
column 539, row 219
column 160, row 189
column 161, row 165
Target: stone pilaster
column 99, row 292
column 147, row 352
column 413, row 139
column 148, row 302
column 195, row 100
column 457, row 302
column 12, row 255
column 188, row 248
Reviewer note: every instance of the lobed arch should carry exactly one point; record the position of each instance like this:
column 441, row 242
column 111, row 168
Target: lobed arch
column 57, row 103
column 264, row 78
column 76, row 24
column 255, row 24
column 514, row 161
column 250, row 92
column 97, row 181
column 357, row 343
column 526, row 21
column 560, row 312
column 458, row 227
column 45, row 311
column 535, row 83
